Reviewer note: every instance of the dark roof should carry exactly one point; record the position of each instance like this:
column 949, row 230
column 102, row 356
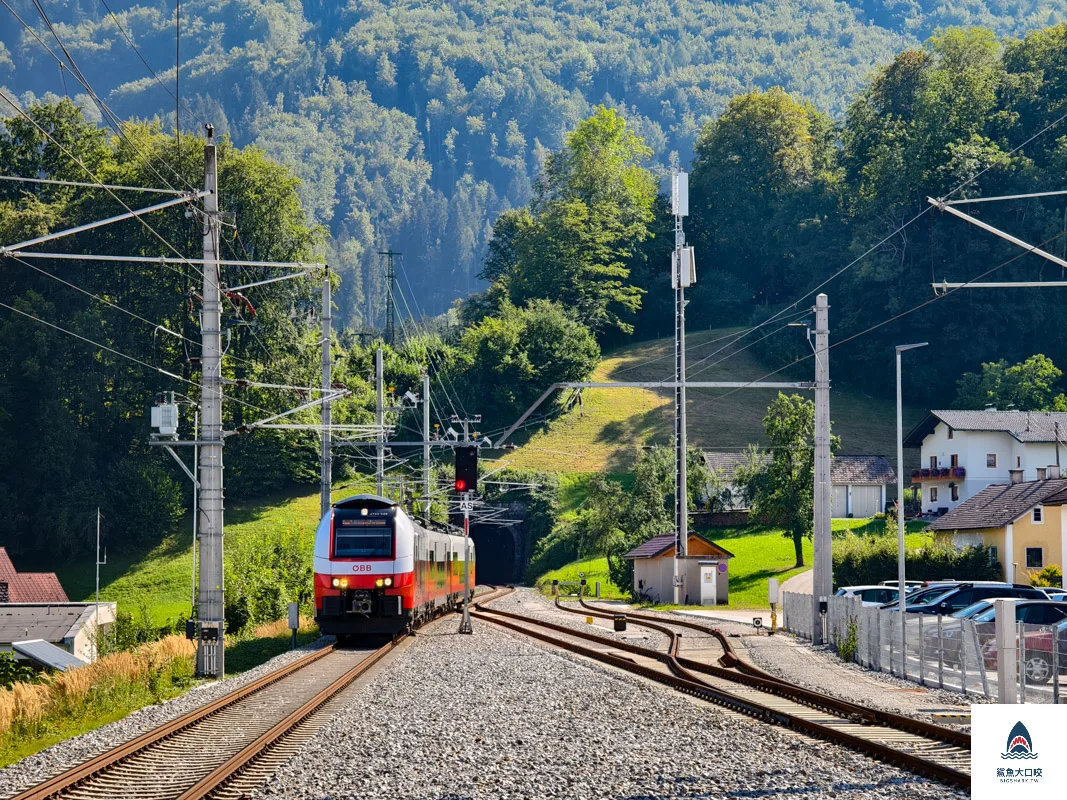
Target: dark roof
column 664, row 542
column 1024, row 426
column 47, row 654
column 995, row 506
column 844, row 470
column 53, row 623
column 727, row 464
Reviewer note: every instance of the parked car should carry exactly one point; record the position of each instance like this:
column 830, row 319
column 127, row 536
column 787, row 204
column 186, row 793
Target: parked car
column 909, row 586
column 1055, row 593
column 983, row 614
column 959, row 597
column 870, row 595
column 1038, row 659
column 926, row 594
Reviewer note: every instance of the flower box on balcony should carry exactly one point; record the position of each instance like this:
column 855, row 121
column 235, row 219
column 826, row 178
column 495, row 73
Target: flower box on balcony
column 925, row 473
column 959, row 472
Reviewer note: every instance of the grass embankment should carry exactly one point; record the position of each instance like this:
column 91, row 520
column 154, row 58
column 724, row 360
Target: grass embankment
column 759, row 554
column 159, row 581
column 34, row 716
column 606, row 434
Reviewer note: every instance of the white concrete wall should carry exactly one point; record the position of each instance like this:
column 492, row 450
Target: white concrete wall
column 972, row 448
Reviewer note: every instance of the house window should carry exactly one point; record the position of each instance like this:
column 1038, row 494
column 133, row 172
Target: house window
column 933, row 494
column 950, row 433
column 1038, row 515
column 933, row 462
column 1018, row 462
column 955, row 457
column 993, row 555
column 1035, row 558
column 955, row 492
column 991, row 460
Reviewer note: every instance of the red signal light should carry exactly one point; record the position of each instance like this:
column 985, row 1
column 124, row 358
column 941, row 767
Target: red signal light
column 461, row 485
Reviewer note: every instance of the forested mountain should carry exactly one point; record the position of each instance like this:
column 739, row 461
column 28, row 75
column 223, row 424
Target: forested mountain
column 414, row 124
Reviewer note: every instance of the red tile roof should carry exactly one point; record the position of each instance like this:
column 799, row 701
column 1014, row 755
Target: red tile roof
column 30, row 587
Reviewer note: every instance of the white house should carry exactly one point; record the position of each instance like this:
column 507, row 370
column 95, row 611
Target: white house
column 963, row 452
column 858, row 481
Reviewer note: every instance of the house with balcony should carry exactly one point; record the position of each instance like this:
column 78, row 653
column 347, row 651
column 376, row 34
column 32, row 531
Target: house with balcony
column 963, row 452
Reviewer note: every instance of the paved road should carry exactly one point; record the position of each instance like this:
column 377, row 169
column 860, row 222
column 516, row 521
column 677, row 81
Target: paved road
column 799, row 583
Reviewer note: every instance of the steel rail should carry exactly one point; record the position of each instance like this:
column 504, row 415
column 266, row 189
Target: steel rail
column 751, row 675
column 70, row 778
column 685, row 681
column 225, row 772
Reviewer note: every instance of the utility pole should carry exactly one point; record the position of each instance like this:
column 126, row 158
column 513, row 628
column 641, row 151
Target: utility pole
column 196, row 509
column 99, row 563
column 822, row 566
column 390, row 301
column 681, row 276
column 326, row 477
column 379, row 385
column 210, row 652
column 466, row 504
column 426, row 478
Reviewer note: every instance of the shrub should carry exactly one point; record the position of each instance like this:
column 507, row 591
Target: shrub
column 14, row 671
column 1049, row 576
column 860, row 560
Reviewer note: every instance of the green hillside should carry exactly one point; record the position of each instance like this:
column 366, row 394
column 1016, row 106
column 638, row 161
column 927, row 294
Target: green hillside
column 605, row 433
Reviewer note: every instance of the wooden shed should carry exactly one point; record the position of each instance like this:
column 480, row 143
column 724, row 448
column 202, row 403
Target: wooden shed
column 707, row 571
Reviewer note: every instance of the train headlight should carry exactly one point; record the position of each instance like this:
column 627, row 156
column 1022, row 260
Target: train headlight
column 388, row 581
column 344, row 583
column 336, row 582
column 379, row 583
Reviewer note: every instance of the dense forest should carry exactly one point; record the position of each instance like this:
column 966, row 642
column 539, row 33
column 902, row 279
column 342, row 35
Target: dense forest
column 415, row 124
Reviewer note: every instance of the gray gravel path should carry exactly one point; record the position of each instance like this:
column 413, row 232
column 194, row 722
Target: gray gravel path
column 43, row 765
column 496, row 715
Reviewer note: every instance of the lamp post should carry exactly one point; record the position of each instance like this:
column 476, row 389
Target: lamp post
column 901, row 591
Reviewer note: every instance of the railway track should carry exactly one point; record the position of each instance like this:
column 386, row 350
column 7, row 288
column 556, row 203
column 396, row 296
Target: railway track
column 226, row 747
column 917, row 746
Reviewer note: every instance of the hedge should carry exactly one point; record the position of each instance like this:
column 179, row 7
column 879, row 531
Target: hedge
column 862, row 560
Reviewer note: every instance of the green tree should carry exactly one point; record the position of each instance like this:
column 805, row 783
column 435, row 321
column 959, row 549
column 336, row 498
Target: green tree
column 1028, row 386
column 781, row 490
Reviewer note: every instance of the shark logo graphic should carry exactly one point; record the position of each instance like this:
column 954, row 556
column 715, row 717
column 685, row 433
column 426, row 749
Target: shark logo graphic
column 1019, row 743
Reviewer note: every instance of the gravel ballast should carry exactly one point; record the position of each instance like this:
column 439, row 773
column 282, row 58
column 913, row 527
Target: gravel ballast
column 53, row 760
column 496, row 715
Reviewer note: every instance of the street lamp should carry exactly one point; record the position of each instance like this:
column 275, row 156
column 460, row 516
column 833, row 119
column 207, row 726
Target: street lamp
column 901, row 590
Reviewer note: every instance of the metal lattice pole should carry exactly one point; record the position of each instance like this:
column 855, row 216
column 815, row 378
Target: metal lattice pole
column 326, row 476
column 822, row 561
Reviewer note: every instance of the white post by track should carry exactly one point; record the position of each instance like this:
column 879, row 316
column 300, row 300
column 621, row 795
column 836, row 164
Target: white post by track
column 1007, row 650
column 196, row 510
column 210, row 652
column 326, row 475
column 99, row 563
column 822, row 560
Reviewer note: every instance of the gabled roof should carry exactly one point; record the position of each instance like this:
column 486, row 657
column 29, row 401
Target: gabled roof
column 664, row 542
column 995, row 506
column 30, row 587
column 1024, row 426
column 47, row 654
column 53, row 623
column 844, row 470
column 727, row 464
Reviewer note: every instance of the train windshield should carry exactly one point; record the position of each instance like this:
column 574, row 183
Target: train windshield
column 359, row 535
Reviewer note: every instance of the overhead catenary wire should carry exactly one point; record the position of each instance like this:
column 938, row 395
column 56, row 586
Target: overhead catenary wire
column 52, row 182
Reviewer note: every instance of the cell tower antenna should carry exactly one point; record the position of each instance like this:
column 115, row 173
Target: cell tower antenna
column 390, row 300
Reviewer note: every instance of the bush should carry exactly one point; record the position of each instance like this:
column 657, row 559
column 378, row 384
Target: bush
column 860, row 560
column 1049, row 576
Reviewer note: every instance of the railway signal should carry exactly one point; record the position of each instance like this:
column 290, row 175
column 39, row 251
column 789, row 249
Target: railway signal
column 466, row 469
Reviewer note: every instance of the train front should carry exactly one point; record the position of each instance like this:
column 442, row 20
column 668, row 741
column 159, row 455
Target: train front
column 364, row 568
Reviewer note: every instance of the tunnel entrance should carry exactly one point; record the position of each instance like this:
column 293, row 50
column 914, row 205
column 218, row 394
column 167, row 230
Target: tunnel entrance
column 494, row 546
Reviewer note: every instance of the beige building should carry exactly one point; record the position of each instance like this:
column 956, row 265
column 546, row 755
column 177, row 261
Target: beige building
column 1025, row 522
column 707, row 570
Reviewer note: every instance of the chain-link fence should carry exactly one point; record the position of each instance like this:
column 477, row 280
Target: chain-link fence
column 944, row 652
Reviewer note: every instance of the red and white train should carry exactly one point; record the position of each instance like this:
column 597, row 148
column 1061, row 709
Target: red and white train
column 379, row 571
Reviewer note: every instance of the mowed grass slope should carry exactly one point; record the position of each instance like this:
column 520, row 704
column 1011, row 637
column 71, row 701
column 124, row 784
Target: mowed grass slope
column 159, row 581
column 604, row 435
